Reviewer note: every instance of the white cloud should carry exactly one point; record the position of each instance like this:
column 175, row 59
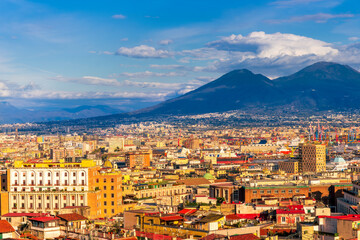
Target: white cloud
column 353, row 38
column 269, row 54
column 319, row 18
column 150, row 74
column 41, row 94
column 158, row 85
column 262, row 45
column 89, row 80
column 118, row 16
column 143, row 51
column 166, row 42
column 173, row 66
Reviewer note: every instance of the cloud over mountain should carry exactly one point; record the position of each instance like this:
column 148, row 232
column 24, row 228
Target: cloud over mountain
column 143, row 51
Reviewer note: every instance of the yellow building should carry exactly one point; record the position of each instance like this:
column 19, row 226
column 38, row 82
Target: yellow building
column 312, row 157
column 289, row 166
column 105, row 200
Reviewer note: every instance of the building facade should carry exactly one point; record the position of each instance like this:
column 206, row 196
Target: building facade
column 312, row 157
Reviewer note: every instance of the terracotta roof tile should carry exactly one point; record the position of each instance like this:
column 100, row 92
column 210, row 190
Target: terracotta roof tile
column 5, row 227
column 71, row 217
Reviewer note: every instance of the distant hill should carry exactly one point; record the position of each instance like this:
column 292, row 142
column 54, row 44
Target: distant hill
column 12, row 114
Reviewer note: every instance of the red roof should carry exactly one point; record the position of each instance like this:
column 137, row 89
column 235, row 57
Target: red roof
column 5, row 227
column 72, row 217
column 172, row 218
column 285, row 211
column 295, row 207
column 213, row 237
column 187, row 211
column 248, row 236
column 44, row 219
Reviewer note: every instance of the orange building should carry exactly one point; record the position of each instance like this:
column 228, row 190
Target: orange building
column 105, row 196
column 139, row 159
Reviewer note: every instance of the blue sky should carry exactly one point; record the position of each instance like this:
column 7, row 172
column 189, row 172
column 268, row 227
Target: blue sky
column 130, row 54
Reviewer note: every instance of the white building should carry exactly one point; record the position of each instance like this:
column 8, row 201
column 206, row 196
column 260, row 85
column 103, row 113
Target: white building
column 47, row 189
column 350, row 202
column 337, row 164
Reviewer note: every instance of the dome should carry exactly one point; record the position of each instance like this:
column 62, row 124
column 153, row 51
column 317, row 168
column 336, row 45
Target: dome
column 108, row 164
column 208, row 176
column 338, row 160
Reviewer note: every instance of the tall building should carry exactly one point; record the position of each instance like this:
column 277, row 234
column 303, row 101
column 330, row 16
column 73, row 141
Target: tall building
column 105, row 195
column 312, row 158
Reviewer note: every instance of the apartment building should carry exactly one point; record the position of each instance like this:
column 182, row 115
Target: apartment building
column 312, row 158
column 105, row 195
column 46, row 186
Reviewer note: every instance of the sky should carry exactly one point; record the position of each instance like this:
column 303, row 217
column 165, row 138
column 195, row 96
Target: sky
column 131, row 54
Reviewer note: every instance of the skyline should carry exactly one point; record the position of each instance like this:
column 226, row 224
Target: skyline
column 128, row 55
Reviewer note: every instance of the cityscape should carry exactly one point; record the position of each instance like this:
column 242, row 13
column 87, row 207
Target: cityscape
column 153, row 120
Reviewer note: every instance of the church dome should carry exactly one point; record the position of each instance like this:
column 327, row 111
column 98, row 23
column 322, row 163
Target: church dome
column 339, row 160
column 208, row 176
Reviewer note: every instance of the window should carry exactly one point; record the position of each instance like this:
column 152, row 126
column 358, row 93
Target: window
column 112, row 203
column 282, row 191
column 283, row 220
column 276, row 191
column 104, row 203
column 74, row 174
column 64, row 197
column 73, row 197
column 97, row 180
column 104, row 179
column 261, row 191
column 290, row 190
column 83, row 174
column 112, row 195
column 112, row 180
column 49, row 174
column 57, row 174
column 268, row 191
column 297, row 190
column 104, row 187
column 254, row 192
column 112, row 187
column 104, row 195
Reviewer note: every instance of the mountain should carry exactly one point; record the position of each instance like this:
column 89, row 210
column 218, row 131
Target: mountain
column 12, row 114
column 235, row 90
column 321, row 86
